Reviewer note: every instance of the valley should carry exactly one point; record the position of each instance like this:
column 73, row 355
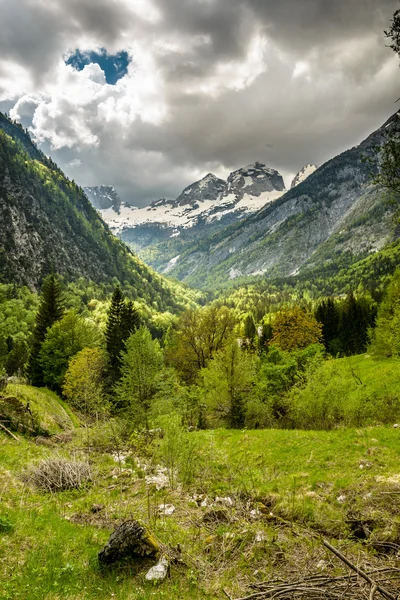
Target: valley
column 199, row 384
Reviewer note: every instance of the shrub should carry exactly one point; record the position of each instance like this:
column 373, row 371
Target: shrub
column 59, row 474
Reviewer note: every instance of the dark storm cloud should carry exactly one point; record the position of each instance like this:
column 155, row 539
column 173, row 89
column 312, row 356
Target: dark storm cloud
column 230, row 81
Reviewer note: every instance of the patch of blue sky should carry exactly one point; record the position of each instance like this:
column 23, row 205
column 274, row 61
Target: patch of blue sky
column 114, row 66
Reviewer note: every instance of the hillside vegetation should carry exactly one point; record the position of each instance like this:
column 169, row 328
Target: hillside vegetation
column 49, row 225
column 248, row 502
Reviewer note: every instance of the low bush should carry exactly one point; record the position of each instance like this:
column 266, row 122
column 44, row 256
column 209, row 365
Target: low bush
column 59, row 474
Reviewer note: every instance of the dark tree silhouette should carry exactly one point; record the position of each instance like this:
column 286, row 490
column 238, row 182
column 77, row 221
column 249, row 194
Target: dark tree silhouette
column 51, row 309
column 122, row 320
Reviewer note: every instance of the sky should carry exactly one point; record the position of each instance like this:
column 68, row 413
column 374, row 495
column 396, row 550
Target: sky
column 151, row 95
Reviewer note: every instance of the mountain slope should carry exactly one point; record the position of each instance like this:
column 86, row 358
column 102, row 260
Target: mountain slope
column 203, row 207
column 303, row 174
column 335, row 210
column 103, row 197
column 48, row 224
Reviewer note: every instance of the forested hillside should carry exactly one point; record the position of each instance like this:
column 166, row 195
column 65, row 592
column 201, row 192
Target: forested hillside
column 48, row 225
column 337, row 215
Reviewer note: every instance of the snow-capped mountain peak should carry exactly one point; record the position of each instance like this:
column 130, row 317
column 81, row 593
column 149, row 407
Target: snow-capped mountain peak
column 255, row 180
column 209, row 187
column 210, row 200
column 303, row 174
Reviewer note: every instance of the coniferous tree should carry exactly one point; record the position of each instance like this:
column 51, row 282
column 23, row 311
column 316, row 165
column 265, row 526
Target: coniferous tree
column 357, row 317
column 328, row 314
column 51, row 309
column 122, row 320
column 264, row 337
column 249, row 330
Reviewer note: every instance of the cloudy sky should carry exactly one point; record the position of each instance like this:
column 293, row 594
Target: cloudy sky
column 150, row 95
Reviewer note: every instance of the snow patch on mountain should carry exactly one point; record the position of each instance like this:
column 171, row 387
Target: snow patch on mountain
column 207, row 201
column 303, row 174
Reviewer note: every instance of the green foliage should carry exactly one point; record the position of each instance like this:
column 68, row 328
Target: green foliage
column 385, row 338
column 295, row 328
column 393, row 33
column 346, row 323
column 278, row 372
column 83, row 382
column 52, row 414
column 64, row 339
column 51, row 309
column 228, row 382
column 197, row 336
column 141, row 363
column 179, row 451
column 122, row 320
column 351, row 392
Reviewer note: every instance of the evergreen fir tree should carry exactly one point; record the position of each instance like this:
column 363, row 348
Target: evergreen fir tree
column 249, row 328
column 358, row 315
column 328, row 314
column 122, row 320
column 51, row 309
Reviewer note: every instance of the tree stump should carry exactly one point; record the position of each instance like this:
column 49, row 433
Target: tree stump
column 129, row 541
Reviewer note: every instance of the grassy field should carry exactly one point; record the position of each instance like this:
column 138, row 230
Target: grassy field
column 279, row 491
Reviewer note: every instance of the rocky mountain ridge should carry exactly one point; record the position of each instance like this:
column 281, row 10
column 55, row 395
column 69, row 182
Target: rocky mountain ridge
column 207, row 204
column 103, row 196
column 302, row 175
column 336, row 214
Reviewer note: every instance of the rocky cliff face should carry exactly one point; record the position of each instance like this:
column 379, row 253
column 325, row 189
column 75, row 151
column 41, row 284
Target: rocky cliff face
column 103, row 196
column 335, row 211
column 48, row 224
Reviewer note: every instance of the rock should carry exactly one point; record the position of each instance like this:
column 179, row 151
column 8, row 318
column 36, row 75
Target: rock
column 119, row 458
column 159, row 479
column 129, row 541
column 159, row 571
column 227, row 501
column 255, row 513
column 166, row 509
column 395, row 426
column 260, row 537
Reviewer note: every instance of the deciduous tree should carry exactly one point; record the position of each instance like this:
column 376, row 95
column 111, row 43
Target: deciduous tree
column 83, row 382
column 228, row 382
column 294, row 328
column 141, row 363
column 63, row 340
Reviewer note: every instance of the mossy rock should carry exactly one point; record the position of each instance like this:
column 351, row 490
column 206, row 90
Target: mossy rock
column 130, row 541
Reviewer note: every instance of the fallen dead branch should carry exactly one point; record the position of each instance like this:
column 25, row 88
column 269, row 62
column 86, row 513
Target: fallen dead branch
column 361, row 585
column 9, row 432
column 361, row 573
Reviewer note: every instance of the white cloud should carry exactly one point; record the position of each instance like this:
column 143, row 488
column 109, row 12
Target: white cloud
column 212, row 85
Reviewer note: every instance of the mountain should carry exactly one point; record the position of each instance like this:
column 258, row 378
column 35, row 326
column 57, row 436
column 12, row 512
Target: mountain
column 303, row 174
column 333, row 217
column 204, row 206
column 159, row 232
column 103, row 196
column 48, row 224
